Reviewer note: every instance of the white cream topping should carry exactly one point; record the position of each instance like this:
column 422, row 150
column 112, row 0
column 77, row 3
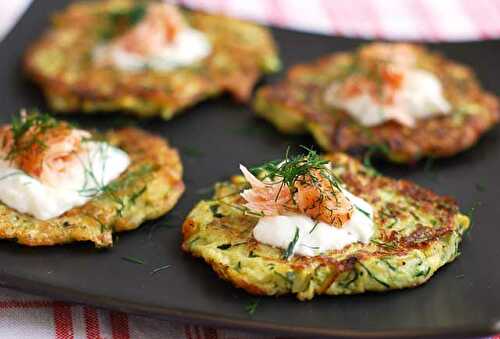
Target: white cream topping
column 315, row 238
column 420, row 96
column 188, row 47
column 97, row 167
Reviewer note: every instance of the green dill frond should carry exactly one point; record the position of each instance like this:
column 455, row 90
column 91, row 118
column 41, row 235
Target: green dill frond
column 120, row 20
column 35, row 120
column 251, row 307
column 94, row 187
column 291, row 169
column 134, row 260
column 37, row 124
column 291, row 246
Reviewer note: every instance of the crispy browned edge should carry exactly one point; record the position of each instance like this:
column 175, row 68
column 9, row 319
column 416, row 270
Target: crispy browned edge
column 426, row 198
column 97, row 219
column 435, row 137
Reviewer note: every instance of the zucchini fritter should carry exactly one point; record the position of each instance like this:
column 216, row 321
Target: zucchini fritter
column 61, row 62
column 297, row 104
column 149, row 188
column 416, row 232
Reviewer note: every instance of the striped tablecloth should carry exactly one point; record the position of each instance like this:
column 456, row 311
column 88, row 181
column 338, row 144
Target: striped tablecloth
column 27, row 316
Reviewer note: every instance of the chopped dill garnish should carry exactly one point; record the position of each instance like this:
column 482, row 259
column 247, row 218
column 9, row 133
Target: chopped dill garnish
column 36, row 123
column 251, row 307
column 291, row 169
column 134, row 260
column 161, row 268
column 242, row 209
column 136, row 13
column 121, row 20
column 314, row 227
column 113, row 187
column 363, row 211
column 39, row 121
column 291, row 246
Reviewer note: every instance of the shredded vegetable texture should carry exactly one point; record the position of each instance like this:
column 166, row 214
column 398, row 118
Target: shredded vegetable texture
column 291, row 169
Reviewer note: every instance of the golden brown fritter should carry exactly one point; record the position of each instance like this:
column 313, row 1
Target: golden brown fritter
column 416, row 232
column 61, row 63
column 149, row 188
column 296, row 105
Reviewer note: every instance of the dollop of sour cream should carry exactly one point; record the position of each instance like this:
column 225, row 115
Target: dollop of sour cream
column 99, row 165
column 420, row 96
column 188, row 47
column 314, row 237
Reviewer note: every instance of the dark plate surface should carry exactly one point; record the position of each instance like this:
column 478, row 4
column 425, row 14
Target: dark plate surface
column 213, row 138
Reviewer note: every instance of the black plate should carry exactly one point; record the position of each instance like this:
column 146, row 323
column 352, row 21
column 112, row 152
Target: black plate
column 214, row 137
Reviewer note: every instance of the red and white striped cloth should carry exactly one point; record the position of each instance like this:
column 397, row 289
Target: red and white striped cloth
column 431, row 20
column 26, row 316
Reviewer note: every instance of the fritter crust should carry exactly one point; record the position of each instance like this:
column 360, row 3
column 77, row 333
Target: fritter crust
column 296, row 105
column 149, row 188
column 60, row 62
column 416, row 232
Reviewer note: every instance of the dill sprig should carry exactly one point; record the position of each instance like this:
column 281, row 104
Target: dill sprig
column 113, row 187
column 37, row 124
column 23, row 123
column 244, row 210
column 291, row 246
column 134, row 260
column 161, row 268
column 291, row 169
column 251, row 307
column 314, row 227
column 120, row 20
